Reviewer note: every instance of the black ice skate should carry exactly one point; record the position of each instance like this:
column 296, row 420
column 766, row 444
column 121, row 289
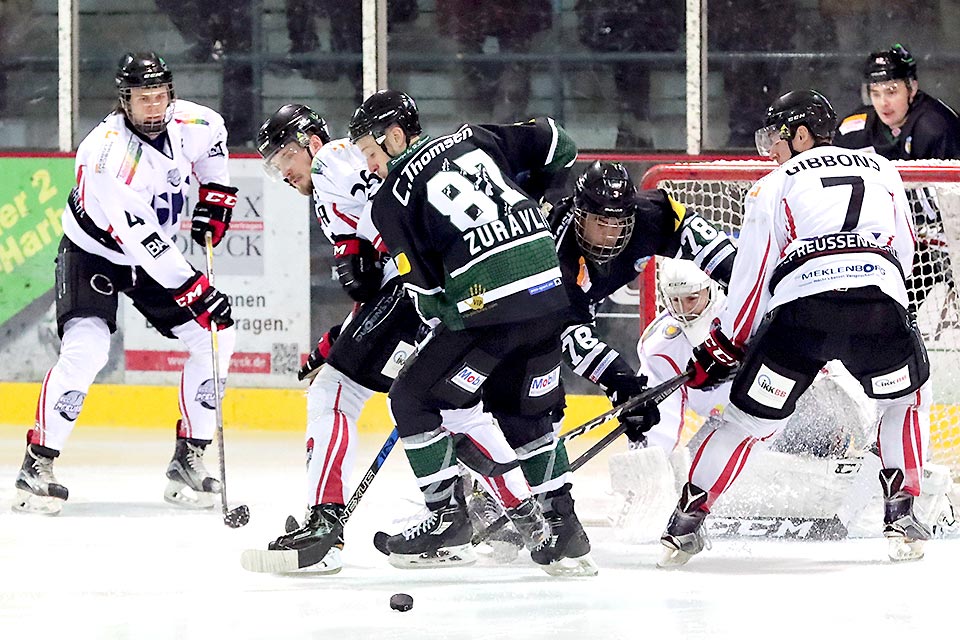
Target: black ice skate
column 484, row 510
column 281, row 555
column 567, row 551
column 37, row 488
column 685, row 537
column 442, row 539
column 190, row 484
column 905, row 534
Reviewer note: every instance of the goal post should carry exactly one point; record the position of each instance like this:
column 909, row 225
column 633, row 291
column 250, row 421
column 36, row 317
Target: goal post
column 716, row 190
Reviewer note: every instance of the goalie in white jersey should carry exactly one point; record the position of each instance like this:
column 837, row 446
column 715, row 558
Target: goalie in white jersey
column 133, row 175
column 825, row 243
column 366, row 352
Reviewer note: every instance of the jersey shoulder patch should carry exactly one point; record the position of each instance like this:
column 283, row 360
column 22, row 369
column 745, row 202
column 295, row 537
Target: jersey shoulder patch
column 856, row 122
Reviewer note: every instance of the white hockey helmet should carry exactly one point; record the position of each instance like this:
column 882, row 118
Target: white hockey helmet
column 689, row 296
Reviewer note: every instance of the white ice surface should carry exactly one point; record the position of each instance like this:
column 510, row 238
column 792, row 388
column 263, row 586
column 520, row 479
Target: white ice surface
column 120, row 563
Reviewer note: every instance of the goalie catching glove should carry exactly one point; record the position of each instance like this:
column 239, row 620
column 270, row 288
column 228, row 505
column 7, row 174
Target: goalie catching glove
column 359, row 267
column 319, row 355
column 715, row 361
column 620, row 387
column 213, row 212
column 206, row 303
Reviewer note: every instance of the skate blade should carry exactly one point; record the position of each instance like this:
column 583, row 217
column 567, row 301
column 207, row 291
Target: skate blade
column 584, row 566
column 458, row 556
column 181, row 495
column 286, row 561
column 672, row 557
column 27, row 502
column 900, row 549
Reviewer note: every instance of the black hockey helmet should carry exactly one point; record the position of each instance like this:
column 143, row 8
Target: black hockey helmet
column 895, row 63
column 604, row 203
column 803, row 107
column 141, row 70
column 290, row 123
column 382, row 109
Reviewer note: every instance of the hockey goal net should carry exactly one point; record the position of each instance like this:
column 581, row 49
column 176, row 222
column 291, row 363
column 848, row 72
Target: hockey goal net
column 716, row 190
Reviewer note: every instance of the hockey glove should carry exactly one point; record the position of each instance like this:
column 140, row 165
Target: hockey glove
column 319, row 355
column 205, row 303
column 715, row 361
column 620, row 387
column 213, row 212
column 359, row 267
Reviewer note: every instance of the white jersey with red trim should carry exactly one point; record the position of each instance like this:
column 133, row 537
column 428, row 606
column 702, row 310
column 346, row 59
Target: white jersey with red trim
column 664, row 351
column 134, row 196
column 342, row 189
column 829, row 218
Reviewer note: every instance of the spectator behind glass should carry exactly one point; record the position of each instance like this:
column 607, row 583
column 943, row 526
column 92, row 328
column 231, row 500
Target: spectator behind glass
column 346, row 23
column 615, row 26
column 904, row 123
column 221, row 31
column 503, row 86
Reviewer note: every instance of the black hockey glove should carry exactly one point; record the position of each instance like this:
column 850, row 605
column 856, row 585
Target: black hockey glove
column 213, row 212
column 359, row 267
column 203, row 301
column 319, row 355
column 620, row 387
column 715, row 361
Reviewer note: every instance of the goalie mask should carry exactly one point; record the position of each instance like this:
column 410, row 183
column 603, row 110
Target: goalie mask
column 604, row 202
column 286, row 133
column 689, row 296
column 808, row 108
column 145, row 87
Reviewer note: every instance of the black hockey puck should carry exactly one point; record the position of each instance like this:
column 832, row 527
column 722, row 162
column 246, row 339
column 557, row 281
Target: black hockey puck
column 401, row 602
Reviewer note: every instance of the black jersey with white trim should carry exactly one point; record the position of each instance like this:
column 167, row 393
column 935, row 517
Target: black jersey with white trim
column 473, row 248
column 931, row 132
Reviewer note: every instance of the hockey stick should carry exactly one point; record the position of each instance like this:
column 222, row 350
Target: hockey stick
column 240, row 516
column 654, row 394
column 288, row 560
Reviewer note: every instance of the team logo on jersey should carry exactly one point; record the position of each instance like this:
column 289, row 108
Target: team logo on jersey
column 771, row 389
column 671, row 331
column 155, row 245
column 216, row 151
column 542, row 385
column 468, row 379
column 476, row 297
column 173, row 177
column 69, row 405
column 309, row 451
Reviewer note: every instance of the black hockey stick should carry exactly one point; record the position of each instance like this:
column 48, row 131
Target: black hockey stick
column 654, row 394
column 240, row 516
column 288, row 560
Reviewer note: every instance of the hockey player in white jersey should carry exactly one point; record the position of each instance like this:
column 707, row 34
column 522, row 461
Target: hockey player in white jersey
column 825, row 243
column 133, row 174
column 366, row 353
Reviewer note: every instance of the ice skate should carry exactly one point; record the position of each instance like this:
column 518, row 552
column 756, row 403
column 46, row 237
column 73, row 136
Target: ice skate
column 685, row 536
column 38, row 490
column 190, row 484
column 484, row 510
column 904, row 533
column 442, row 539
column 567, row 550
column 281, row 555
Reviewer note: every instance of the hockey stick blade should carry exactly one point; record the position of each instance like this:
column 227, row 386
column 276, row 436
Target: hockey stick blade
column 654, row 394
column 289, row 560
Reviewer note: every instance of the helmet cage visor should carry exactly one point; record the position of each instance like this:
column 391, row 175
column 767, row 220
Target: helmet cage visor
column 766, row 137
column 278, row 161
column 133, row 100
column 601, row 237
column 687, row 306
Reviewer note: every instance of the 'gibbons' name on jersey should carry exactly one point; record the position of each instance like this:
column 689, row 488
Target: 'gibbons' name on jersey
column 840, row 160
